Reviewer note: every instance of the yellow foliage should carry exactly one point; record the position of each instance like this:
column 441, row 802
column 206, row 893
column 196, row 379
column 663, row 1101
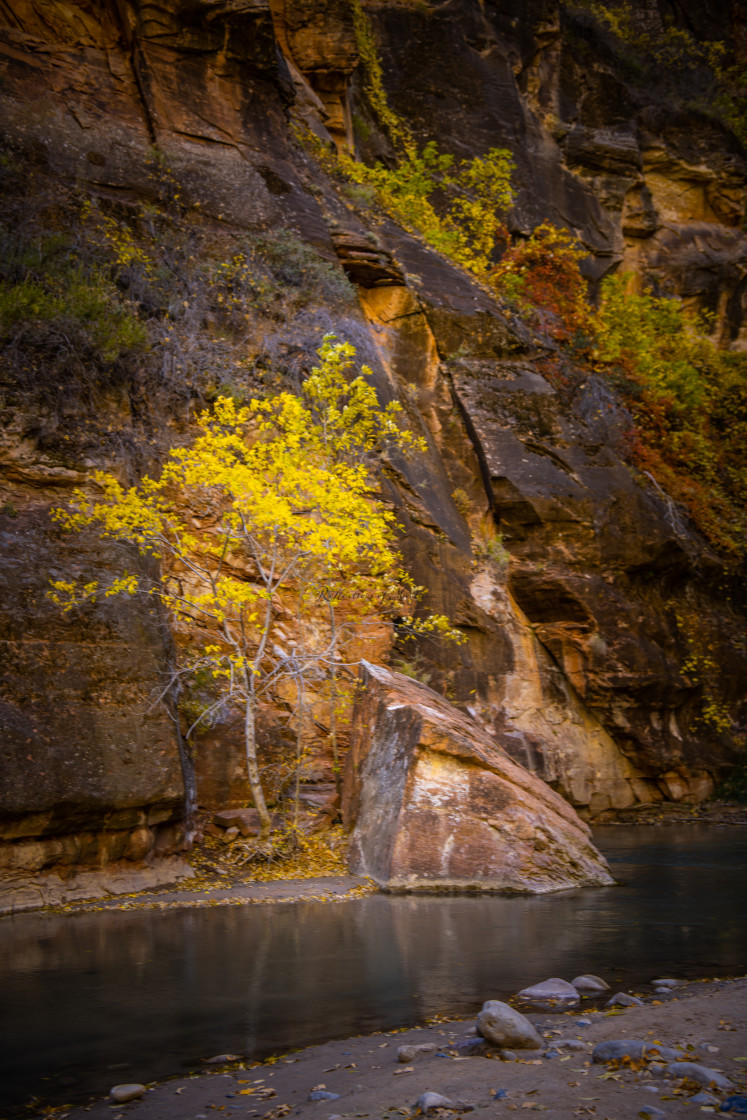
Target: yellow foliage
column 309, row 857
column 275, row 496
column 467, row 225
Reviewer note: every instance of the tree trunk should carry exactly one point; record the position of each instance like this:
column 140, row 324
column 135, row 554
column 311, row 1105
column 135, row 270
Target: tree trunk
column 333, row 701
column 171, row 703
column 252, row 769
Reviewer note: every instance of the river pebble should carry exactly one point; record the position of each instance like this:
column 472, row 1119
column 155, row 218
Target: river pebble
column 407, row 1054
column 590, row 983
column 615, row 1049
column 570, row 1044
column 429, row 1101
column 550, row 993
column 323, row 1095
column 651, row 1112
column 735, row 1104
column 120, row 1094
column 704, row 1098
column 472, row 1047
column 704, row 1076
column 664, row 1053
column 622, row 999
column 503, row 1026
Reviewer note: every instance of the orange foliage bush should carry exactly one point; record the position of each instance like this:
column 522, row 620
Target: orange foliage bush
column 541, row 276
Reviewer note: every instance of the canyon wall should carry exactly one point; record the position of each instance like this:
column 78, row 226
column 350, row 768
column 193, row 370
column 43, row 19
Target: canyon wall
column 585, row 596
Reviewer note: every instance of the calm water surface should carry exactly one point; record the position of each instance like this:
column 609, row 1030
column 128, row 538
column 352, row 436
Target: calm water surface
column 160, row 990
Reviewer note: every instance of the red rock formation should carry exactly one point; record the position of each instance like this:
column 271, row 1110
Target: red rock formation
column 432, row 803
column 577, row 636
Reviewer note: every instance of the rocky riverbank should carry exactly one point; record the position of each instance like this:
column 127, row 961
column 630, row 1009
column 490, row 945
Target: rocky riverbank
column 677, row 1050
column 210, row 877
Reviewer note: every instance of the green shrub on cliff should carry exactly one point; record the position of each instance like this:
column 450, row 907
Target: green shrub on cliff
column 691, row 71
column 50, row 296
column 689, row 403
column 78, row 314
column 686, row 397
column 457, row 206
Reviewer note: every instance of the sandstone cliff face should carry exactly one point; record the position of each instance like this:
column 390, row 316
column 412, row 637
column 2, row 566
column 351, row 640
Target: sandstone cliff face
column 647, row 186
column 577, row 636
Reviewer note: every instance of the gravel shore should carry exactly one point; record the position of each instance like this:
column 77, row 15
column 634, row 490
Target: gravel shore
column 363, row 1078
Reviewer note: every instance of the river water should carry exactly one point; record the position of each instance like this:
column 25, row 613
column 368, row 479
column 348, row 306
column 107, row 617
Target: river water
column 90, row 1000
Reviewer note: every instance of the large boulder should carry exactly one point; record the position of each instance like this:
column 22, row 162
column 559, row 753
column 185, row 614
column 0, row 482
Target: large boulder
column 432, row 802
column 503, row 1026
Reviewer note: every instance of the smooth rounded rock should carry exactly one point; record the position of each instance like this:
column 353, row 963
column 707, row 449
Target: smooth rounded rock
column 734, row 1104
column 655, row 1053
column 590, row 983
column 323, row 1095
column 409, row 1053
column 120, row 1094
column 651, row 1112
column 427, row 1102
column 622, row 999
column 473, row 1047
column 550, row 993
column 704, row 1098
column 668, row 982
column 505, row 1027
column 615, row 1049
column 406, row 1054
column 708, row 1078
column 570, row 1044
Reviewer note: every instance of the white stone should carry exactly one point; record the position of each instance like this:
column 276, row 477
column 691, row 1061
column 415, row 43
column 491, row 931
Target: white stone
column 123, row 1093
column 505, row 1027
column 708, row 1078
column 550, row 991
column 590, row 983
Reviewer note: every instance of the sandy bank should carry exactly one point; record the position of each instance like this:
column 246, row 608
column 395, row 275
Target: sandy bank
column 707, row 1020
column 330, row 888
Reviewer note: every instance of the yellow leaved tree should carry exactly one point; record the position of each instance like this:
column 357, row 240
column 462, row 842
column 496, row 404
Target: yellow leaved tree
column 272, row 499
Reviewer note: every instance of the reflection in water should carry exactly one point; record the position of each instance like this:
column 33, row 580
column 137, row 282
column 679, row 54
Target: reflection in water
column 159, row 990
